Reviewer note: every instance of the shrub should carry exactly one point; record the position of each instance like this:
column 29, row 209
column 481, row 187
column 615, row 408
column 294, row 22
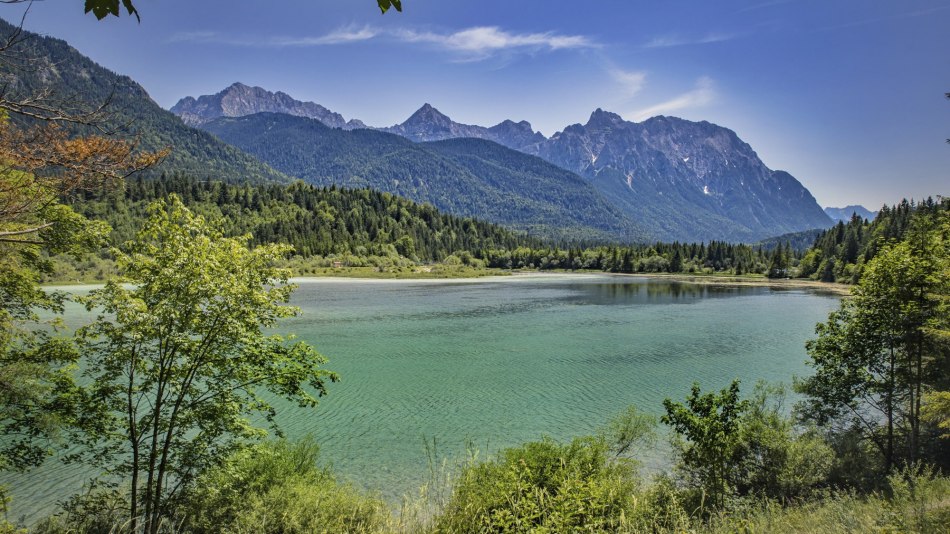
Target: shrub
column 543, row 486
column 277, row 487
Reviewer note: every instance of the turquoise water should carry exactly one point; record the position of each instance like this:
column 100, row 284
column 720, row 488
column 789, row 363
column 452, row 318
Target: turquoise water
column 500, row 361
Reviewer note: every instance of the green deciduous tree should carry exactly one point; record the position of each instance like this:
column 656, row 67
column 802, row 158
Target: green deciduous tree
column 176, row 362
column 708, row 427
column 39, row 167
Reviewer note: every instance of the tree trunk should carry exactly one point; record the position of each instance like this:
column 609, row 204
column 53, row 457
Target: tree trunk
column 889, row 455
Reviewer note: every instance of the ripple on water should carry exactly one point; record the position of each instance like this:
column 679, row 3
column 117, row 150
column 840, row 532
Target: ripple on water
column 491, row 364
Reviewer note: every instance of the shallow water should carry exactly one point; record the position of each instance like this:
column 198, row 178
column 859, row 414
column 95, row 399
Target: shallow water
column 495, row 362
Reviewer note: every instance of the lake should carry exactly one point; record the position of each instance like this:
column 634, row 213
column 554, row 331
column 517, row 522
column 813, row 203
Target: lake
column 495, row 362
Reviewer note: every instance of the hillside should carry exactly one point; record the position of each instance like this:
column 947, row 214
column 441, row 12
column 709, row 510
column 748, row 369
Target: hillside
column 685, row 180
column 465, row 177
column 51, row 65
column 316, row 220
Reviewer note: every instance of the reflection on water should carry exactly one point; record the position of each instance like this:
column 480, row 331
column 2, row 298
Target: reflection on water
column 501, row 361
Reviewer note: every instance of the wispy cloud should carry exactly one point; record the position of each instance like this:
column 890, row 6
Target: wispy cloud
column 630, row 82
column 476, row 43
column 701, row 95
column 340, row 36
column 667, row 41
column 482, row 41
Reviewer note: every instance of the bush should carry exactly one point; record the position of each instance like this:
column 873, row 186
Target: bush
column 277, row 487
column 543, row 486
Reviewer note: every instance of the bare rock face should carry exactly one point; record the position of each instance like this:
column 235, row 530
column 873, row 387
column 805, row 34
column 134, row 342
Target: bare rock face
column 686, row 179
column 239, row 100
column 429, row 124
column 682, row 180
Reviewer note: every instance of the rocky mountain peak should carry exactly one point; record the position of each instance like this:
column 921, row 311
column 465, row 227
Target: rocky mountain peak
column 428, row 115
column 601, row 119
column 238, row 100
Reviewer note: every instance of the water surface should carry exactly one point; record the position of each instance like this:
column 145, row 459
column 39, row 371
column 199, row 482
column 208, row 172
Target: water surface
column 495, row 362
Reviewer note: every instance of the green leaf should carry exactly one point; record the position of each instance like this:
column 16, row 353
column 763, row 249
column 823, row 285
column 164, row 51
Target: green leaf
column 102, row 8
column 384, row 5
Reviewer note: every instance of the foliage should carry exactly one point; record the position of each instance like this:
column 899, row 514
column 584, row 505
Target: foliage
column 543, row 486
column 695, row 258
column 841, row 252
column 876, row 356
column 936, row 410
column 175, row 361
column 628, row 430
column 709, row 445
column 316, row 221
column 277, row 487
column 917, row 503
column 778, row 461
column 38, row 167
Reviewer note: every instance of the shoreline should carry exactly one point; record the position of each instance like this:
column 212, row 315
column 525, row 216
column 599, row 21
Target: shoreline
column 721, row 280
column 730, row 280
column 500, row 275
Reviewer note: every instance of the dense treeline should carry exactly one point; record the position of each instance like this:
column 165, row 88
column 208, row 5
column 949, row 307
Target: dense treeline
column 714, row 257
column 316, row 221
column 351, row 225
column 841, row 252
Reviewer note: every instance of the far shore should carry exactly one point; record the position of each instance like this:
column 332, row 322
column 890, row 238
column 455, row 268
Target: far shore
column 499, row 275
column 707, row 279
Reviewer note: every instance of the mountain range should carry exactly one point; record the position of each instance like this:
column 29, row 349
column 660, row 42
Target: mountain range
column 845, row 213
column 672, row 179
column 609, row 179
column 466, row 177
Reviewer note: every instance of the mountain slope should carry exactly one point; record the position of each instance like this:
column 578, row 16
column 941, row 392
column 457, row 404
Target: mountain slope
column 676, row 179
column 680, row 180
column 53, row 65
column 467, row 177
column 239, row 100
column 687, row 180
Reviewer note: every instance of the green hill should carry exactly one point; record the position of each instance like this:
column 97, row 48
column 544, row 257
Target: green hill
column 50, row 66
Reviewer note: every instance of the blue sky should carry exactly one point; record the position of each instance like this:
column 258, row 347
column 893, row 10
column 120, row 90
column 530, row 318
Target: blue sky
column 848, row 96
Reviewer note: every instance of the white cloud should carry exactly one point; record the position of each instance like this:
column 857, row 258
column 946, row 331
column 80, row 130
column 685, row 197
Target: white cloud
column 484, row 40
column 341, row 36
column 631, row 82
column 474, row 43
column 195, row 37
column 668, row 41
column 701, row 95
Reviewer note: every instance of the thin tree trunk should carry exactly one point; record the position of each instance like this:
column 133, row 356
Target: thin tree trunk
column 889, row 455
column 915, row 407
column 151, row 492
column 134, row 439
